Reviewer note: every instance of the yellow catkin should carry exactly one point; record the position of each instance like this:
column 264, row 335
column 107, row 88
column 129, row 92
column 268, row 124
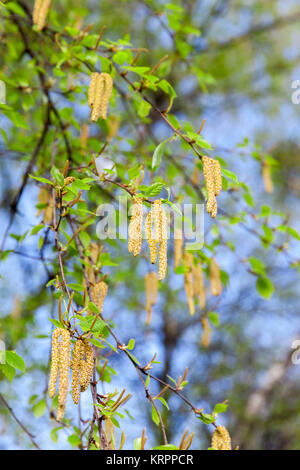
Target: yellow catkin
column 113, row 127
column 92, row 89
column 163, row 245
column 69, row 180
column 64, row 369
column 266, row 174
column 221, row 439
column 110, row 433
column 108, row 86
column 84, row 135
column 195, row 176
column 151, row 287
column 150, row 238
column 156, row 217
column 178, row 243
column 135, row 235
column 213, row 179
column 206, row 332
column 40, row 11
column 87, row 366
column 188, row 281
column 217, row 176
column 99, row 93
column 78, row 352
column 54, row 362
column 199, row 288
column 99, row 292
column 208, row 170
column 215, row 278
column 45, row 197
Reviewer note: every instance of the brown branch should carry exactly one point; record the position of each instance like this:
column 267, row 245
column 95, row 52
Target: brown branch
column 31, row 436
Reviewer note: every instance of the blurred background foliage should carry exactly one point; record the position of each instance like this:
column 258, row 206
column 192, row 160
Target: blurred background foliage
column 231, row 63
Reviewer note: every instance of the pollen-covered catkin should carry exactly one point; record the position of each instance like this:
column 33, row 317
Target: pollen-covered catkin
column 135, row 236
column 78, row 352
column 151, row 287
column 108, row 86
column 156, row 217
column 188, row 281
column 40, row 11
column 266, row 174
column 208, row 170
column 64, row 369
column 199, row 288
column 92, row 89
column 218, row 177
column 206, row 332
column 150, row 238
column 54, row 369
column 178, row 243
column 87, row 366
column 99, row 292
column 99, row 93
column 213, row 179
column 215, row 278
column 163, row 245
column 221, row 439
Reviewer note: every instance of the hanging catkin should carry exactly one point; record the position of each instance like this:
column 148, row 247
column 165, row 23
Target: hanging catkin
column 156, row 217
column 213, row 179
column 206, row 332
column 150, row 238
column 188, row 281
column 221, row 439
column 151, row 287
column 178, row 243
column 99, row 292
column 266, row 174
column 78, row 352
column 163, row 245
column 199, row 288
column 40, row 11
column 99, row 93
column 64, row 369
column 135, row 235
column 218, row 177
column 87, row 366
column 215, row 278
column 55, row 352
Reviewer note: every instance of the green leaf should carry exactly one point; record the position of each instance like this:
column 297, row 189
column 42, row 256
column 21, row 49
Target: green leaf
column 42, row 180
column 166, row 447
column 8, row 371
column 220, row 408
column 157, row 155
column 57, row 176
column 14, row 360
column 131, row 344
column 155, row 417
column 36, row 229
column 264, row 287
column 154, row 189
column 39, row 408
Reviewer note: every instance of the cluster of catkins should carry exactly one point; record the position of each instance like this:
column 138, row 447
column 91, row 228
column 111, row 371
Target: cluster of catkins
column 40, row 11
column 156, row 228
column 193, row 282
column 213, row 180
column 99, row 93
column 82, row 364
column 221, row 439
